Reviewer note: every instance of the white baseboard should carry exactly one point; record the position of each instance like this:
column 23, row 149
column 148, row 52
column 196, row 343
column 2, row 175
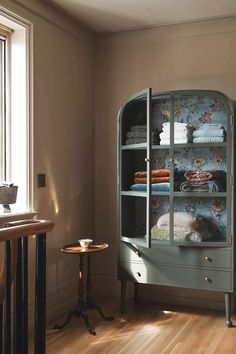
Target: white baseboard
column 58, row 303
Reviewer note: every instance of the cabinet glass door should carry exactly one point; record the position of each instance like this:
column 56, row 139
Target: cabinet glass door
column 201, row 195
column 160, row 170
column 134, row 169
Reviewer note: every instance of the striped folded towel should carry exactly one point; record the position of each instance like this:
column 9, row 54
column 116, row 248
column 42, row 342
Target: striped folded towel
column 131, row 141
column 209, row 139
column 208, row 132
column 138, row 128
column 136, row 134
column 211, row 126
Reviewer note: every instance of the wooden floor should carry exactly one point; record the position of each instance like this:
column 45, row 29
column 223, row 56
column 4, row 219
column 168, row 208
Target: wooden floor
column 148, row 328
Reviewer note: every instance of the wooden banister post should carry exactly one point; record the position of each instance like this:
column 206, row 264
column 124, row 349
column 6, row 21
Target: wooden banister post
column 40, row 295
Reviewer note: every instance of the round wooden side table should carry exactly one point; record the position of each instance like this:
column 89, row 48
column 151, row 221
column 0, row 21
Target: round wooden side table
column 87, row 303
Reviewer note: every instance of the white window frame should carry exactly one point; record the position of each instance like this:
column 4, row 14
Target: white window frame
column 21, row 37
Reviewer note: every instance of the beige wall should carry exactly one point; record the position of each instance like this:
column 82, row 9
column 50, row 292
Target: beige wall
column 198, row 55
column 63, row 140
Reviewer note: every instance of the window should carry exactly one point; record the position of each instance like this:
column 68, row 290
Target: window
column 3, row 44
column 15, row 127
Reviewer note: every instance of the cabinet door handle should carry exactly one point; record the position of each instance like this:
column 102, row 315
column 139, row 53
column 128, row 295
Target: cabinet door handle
column 147, row 159
column 138, row 274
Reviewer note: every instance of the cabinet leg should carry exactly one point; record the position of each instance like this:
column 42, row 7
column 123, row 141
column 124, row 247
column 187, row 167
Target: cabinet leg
column 229, row 322
column 123, row 293
column 136, row 293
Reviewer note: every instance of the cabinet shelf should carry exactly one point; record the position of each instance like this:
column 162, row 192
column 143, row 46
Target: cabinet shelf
column 190, row 146
column 134, row 194
column 200, row 194
column 204, row 244
column 140, row 241
column 177, row 194
column 140, row 146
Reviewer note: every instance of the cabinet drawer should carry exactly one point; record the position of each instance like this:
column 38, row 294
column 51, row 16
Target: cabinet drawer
column 151, row 273
column 174, row 255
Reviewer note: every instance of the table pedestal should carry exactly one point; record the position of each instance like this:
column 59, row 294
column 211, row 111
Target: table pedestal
column 83, row 305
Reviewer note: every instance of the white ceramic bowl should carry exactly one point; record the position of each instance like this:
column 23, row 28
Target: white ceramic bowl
column 85, row 242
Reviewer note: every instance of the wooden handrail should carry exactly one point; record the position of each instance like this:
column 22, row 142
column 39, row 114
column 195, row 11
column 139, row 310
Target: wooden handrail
column 23, row 228
column 15, row 230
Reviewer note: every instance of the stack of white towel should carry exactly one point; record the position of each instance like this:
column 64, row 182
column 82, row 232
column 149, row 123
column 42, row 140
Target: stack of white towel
column 138, row 134
column 182, row 133
column 209, row 133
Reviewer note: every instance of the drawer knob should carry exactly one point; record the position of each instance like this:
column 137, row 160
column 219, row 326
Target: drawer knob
column 207, row 279
column 146, row 159
column 208, row 259
column 138, row 274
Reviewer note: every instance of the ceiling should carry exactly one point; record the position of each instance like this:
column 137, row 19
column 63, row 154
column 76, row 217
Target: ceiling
column 119, row 15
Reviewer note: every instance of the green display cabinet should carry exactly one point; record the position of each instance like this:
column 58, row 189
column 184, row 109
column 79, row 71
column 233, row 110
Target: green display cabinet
column 176, row 191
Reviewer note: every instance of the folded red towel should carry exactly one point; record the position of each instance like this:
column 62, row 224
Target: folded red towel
column 153, row 180
column 162, row 172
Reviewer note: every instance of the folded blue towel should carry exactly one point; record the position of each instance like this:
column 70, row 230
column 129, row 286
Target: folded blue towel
column 211, row 126
column 209, row 139
column 208, row 133
column 158, row 187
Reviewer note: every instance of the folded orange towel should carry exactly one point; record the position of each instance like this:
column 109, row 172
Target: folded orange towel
column 153, row 180
column 162, row 172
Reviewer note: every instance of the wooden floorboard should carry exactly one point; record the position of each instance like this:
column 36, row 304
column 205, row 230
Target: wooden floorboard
column 145, row 328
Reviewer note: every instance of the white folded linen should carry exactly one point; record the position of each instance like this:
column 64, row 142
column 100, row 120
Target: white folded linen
column 176, row 125
column 167, row 130
column 176, row 141
column 177, row 135
column 186, row 227
column 182, row 221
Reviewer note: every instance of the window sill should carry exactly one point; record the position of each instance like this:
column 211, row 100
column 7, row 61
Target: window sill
column 4, row 218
